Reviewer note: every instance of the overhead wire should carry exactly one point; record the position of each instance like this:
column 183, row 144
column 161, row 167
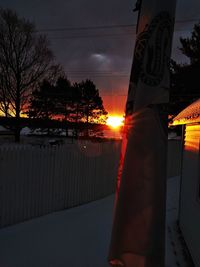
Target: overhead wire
column 100, row 31
column 76, row 31
column 112, row 26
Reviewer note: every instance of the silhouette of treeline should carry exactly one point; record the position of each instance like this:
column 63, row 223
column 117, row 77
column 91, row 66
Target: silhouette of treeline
column 73, row 103
column 37, row 123
column 70, row 102
column 32, row 83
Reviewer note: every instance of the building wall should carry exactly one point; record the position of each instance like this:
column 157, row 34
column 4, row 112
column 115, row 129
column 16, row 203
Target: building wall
column 174, row 158
column 190, row 191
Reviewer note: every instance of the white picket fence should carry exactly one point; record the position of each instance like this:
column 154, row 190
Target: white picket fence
column 35, row 181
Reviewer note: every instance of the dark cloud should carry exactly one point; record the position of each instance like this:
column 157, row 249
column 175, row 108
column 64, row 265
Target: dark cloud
column 188, row 9
column 104, row 55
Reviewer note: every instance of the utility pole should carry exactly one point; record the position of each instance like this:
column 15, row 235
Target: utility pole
column 138, row 234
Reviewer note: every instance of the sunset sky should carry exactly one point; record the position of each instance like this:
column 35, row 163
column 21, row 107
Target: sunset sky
column 103, row 54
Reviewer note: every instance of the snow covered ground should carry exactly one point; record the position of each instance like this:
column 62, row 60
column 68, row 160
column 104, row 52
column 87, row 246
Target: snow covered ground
column 79, row 237
column 176, row 251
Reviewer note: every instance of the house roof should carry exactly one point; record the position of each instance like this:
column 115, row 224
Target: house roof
column 191, row 114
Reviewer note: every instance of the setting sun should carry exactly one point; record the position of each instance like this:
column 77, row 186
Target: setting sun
column 115, row 121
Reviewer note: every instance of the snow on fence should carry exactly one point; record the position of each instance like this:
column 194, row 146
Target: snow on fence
column 35, row 181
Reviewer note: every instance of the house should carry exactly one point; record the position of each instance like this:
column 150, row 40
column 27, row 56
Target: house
column 189, row 212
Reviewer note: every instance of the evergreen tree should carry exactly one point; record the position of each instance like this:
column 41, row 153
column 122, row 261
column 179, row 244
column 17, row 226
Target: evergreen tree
column 91, row 105
column 75, row 103
column 42, row 102
column 63, row 98
column 185, row 77
column 92, row 108
column 191, row 46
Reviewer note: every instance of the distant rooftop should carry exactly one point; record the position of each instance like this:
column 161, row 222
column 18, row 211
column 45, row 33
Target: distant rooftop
column 191, row 114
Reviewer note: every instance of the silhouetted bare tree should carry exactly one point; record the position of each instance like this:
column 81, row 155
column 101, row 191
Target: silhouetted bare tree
column 25, row 59
column 4, row 100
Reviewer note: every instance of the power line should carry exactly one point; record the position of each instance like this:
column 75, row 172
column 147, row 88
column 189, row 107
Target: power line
column 98, row 71
column 100, row 76
column 87, row 28
column 113, row 26
column 102, row 72
column 97, row 74
column 91, row 36
column 114, row 95
column 113, row 73
column 76, row 34
column 118, row 35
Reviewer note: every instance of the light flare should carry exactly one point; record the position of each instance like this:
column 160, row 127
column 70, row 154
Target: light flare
column 115, row 121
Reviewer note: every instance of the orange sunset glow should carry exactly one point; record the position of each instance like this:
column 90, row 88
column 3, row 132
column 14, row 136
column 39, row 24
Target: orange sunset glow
column 115, row 121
